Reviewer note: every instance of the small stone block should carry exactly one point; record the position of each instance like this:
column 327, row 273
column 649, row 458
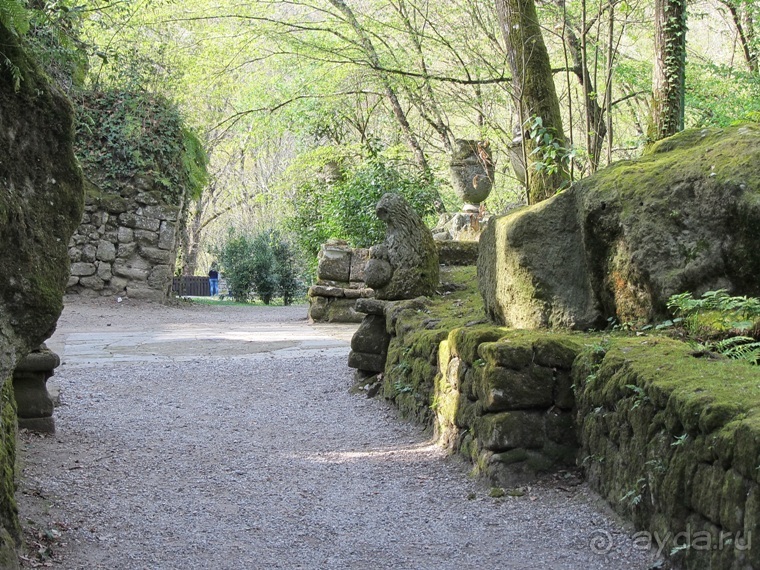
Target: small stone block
column 370, row 306
column 365, row 361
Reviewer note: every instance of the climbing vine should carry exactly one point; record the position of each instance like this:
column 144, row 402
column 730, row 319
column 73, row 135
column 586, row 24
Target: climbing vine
column 550, row 154
column 670, row 48
column 121, row 135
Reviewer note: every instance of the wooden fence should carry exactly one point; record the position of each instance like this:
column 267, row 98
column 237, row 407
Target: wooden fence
column 196, row 286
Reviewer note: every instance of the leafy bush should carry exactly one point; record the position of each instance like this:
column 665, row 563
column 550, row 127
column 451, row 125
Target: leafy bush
column 263, row 263
column 345, row 209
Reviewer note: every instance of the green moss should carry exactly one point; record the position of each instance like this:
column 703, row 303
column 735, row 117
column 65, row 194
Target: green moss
column 10, row 531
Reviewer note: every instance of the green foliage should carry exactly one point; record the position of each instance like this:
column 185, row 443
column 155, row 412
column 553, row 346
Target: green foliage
column 345, row 209
column 122, row 135
column 719, row 322
column 263, row 263
column 719, row 95
column 14, row 16
column 717, row 310
column 54, row 40
column 551, row 156
column 194, row 162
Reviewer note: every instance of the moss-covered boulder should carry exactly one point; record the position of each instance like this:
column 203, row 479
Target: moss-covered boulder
column 684, row 217
column 41, row 200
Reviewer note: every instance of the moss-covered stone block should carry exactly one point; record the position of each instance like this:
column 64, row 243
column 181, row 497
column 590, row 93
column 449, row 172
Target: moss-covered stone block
column 706, row 491
column 464, row 342
column 511, row 456
column 508, row 430
column 507, row 353
column 732, row 502
column 587, row 254
column 502, row 389
column 556, row 351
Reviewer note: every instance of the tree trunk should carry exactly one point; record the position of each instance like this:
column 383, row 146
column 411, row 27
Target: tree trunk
column 534, row 91
column 745, row 29
column 596, row 128
column 669, row 68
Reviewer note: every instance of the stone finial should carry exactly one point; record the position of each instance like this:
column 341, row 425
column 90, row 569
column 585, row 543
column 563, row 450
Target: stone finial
column 472, row 172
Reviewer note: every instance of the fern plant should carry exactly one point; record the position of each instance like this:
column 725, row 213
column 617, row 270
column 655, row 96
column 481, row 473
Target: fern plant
column 720, row 323
column 743, row 348
column 14, row 17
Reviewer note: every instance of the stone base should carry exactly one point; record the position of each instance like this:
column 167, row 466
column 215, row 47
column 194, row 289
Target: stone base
column 457, row 252
column 39, row 425
column 333, row 310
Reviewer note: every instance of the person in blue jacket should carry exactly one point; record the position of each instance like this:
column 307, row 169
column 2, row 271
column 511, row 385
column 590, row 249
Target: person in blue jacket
column 213, row 280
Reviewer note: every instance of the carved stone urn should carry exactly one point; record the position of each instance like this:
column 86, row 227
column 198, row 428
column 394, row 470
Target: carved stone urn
column 472, row 172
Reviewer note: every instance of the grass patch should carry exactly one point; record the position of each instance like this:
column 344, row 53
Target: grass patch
column 230, row 302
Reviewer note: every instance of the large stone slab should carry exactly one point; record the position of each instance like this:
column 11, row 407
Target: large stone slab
column 685, row 217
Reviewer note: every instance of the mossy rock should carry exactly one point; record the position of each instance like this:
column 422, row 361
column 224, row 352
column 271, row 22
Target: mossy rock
column 41, row 203
column 684, row 217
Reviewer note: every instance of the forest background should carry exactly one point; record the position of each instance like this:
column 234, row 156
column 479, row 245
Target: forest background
column 307, row 111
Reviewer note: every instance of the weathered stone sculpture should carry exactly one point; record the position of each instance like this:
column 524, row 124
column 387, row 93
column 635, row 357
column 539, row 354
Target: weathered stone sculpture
column 684, row 217
column 405, row 266
column 472, row 172
column 41, row 199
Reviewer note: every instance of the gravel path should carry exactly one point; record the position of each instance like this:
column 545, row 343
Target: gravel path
column 168, row 456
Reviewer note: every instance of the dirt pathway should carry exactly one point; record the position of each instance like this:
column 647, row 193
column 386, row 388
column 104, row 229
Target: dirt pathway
column 225, row 438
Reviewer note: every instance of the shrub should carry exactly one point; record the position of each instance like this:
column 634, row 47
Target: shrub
column 263, row 263
column 345, row 209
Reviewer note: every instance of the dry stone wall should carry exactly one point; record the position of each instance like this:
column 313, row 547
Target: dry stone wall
column 672, row 441
column 340, row 282
column 126, row 244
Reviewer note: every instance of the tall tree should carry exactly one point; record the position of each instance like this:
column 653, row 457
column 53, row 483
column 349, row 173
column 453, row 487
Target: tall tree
column 668, row 86
column 368, row 47
column 745, row 29
column 534, row 92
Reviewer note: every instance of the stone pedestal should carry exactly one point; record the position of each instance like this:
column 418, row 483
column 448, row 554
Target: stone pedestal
column 35, row 406
column 340, row 282
column 369, row 345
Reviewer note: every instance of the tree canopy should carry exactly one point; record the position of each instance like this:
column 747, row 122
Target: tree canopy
column 282, row 90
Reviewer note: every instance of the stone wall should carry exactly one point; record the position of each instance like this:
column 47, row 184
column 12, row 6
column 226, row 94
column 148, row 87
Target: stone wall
column 340, row 282
column 671, row 440
column 126, row 243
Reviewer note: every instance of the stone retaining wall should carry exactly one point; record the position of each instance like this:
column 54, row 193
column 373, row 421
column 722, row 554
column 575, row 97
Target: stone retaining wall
column 126, row 244
column 672, row 441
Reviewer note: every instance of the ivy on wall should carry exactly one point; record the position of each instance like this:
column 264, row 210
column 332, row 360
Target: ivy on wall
column 122, row 135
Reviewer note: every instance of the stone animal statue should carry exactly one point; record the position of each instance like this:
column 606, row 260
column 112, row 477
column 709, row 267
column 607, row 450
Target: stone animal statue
column 405, row 266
